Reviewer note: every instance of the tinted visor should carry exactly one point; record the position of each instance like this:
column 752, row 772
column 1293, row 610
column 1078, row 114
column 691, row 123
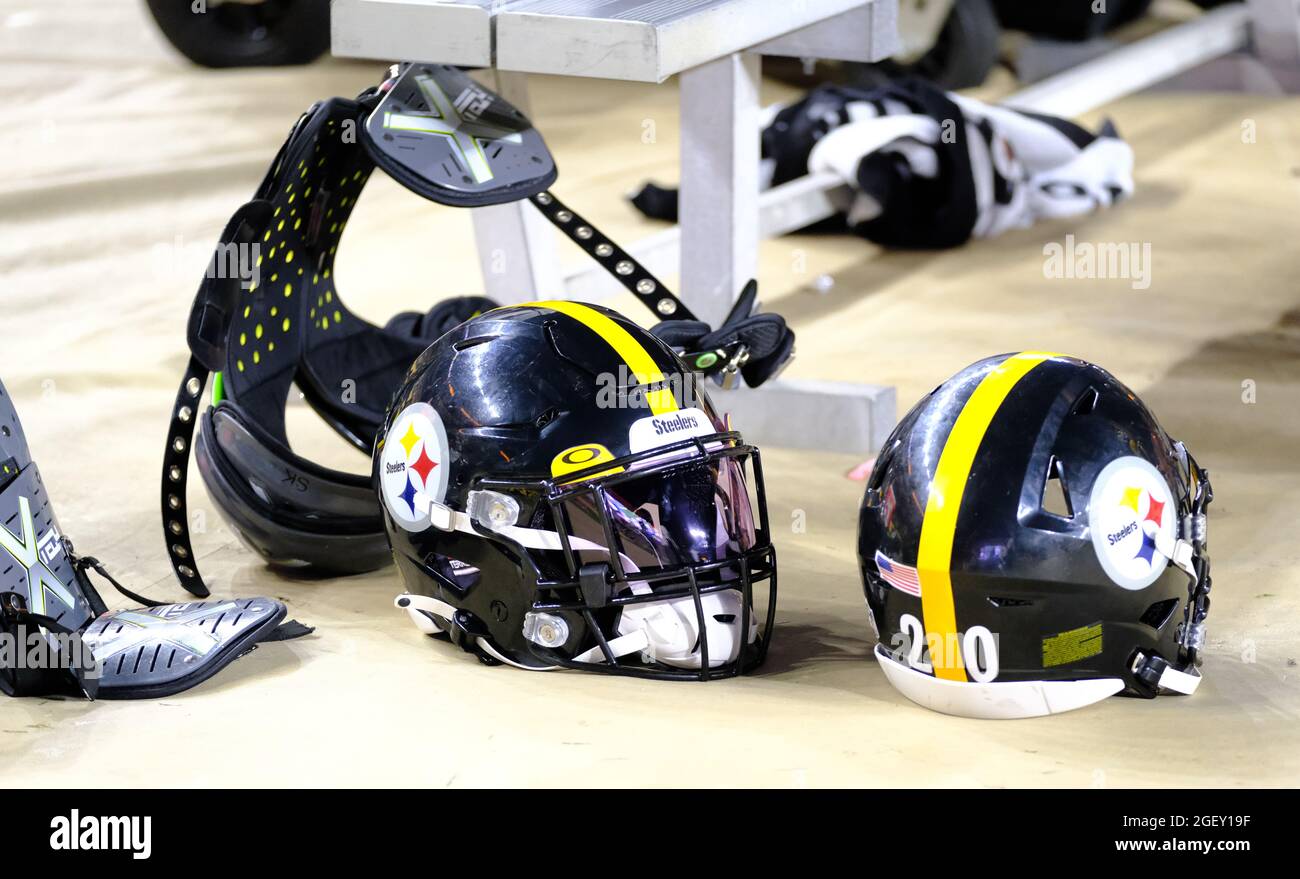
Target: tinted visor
column 689, row 513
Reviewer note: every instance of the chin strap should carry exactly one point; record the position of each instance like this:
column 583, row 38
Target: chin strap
column 633, row 642
column 434, row 617
column 1157, row 672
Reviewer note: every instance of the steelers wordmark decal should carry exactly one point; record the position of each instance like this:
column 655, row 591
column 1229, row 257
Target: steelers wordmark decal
column 413, row 466
column 1128, row 494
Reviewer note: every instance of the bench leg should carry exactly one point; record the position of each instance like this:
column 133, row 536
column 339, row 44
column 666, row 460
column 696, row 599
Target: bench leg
column 719, row 190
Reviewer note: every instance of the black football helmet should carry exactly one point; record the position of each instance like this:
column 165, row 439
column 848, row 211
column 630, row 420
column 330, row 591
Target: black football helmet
column 558, row 491
column 1032, row 541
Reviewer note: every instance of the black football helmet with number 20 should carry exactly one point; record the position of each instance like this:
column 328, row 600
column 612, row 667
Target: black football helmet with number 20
column 558, row 492
column 1032, row 541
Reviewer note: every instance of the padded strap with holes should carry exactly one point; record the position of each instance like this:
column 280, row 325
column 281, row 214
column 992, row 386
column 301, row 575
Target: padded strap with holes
column 176, row 460
column 617, row 261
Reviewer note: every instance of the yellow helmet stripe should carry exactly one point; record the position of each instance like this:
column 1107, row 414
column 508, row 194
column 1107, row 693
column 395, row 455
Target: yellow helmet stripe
column 934, row 555
column 638, row 359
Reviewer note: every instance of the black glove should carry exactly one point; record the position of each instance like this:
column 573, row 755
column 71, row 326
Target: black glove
column 441, row 319
column 760, row 344
column 657, row 202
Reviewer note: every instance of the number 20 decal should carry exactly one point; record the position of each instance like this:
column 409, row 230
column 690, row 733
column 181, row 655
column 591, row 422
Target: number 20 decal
column 978, row 649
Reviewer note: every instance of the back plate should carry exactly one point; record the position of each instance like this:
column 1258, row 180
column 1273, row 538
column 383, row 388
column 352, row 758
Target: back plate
column 447, row 138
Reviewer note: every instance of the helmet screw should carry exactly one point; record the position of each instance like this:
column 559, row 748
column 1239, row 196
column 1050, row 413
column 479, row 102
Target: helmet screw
column 546, row 630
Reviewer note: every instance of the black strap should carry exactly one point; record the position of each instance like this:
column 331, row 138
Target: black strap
column 81, row 563
column 206, row 333
column 14, row 613
column 288, row 630
column 661, row 301
column 175, row 473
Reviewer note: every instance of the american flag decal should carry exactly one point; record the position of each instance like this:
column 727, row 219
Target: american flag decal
column 900, row 576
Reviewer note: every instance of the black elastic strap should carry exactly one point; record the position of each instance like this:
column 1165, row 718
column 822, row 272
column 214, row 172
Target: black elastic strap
column 661, row 301
column 81, row 563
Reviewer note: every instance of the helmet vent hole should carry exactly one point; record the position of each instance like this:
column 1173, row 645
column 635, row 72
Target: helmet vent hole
column 726, row 618
column 471, row 342
column 877, row 478
column 547, row 417
column 1056, row 494
column 1159, row 613
column 1086, row 403
column 999, row 601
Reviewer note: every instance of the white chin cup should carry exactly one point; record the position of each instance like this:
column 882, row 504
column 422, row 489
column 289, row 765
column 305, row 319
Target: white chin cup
column 672, row 632
column 998, row 700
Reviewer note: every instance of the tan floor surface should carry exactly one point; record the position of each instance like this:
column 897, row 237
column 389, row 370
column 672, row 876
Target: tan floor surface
column 121, row 166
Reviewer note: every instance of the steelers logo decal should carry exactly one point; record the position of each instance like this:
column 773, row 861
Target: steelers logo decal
column 413, row 466
column 1129, row 504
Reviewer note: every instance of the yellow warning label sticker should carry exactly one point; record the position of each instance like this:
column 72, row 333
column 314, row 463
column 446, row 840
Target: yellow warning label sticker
column 1072, row 646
